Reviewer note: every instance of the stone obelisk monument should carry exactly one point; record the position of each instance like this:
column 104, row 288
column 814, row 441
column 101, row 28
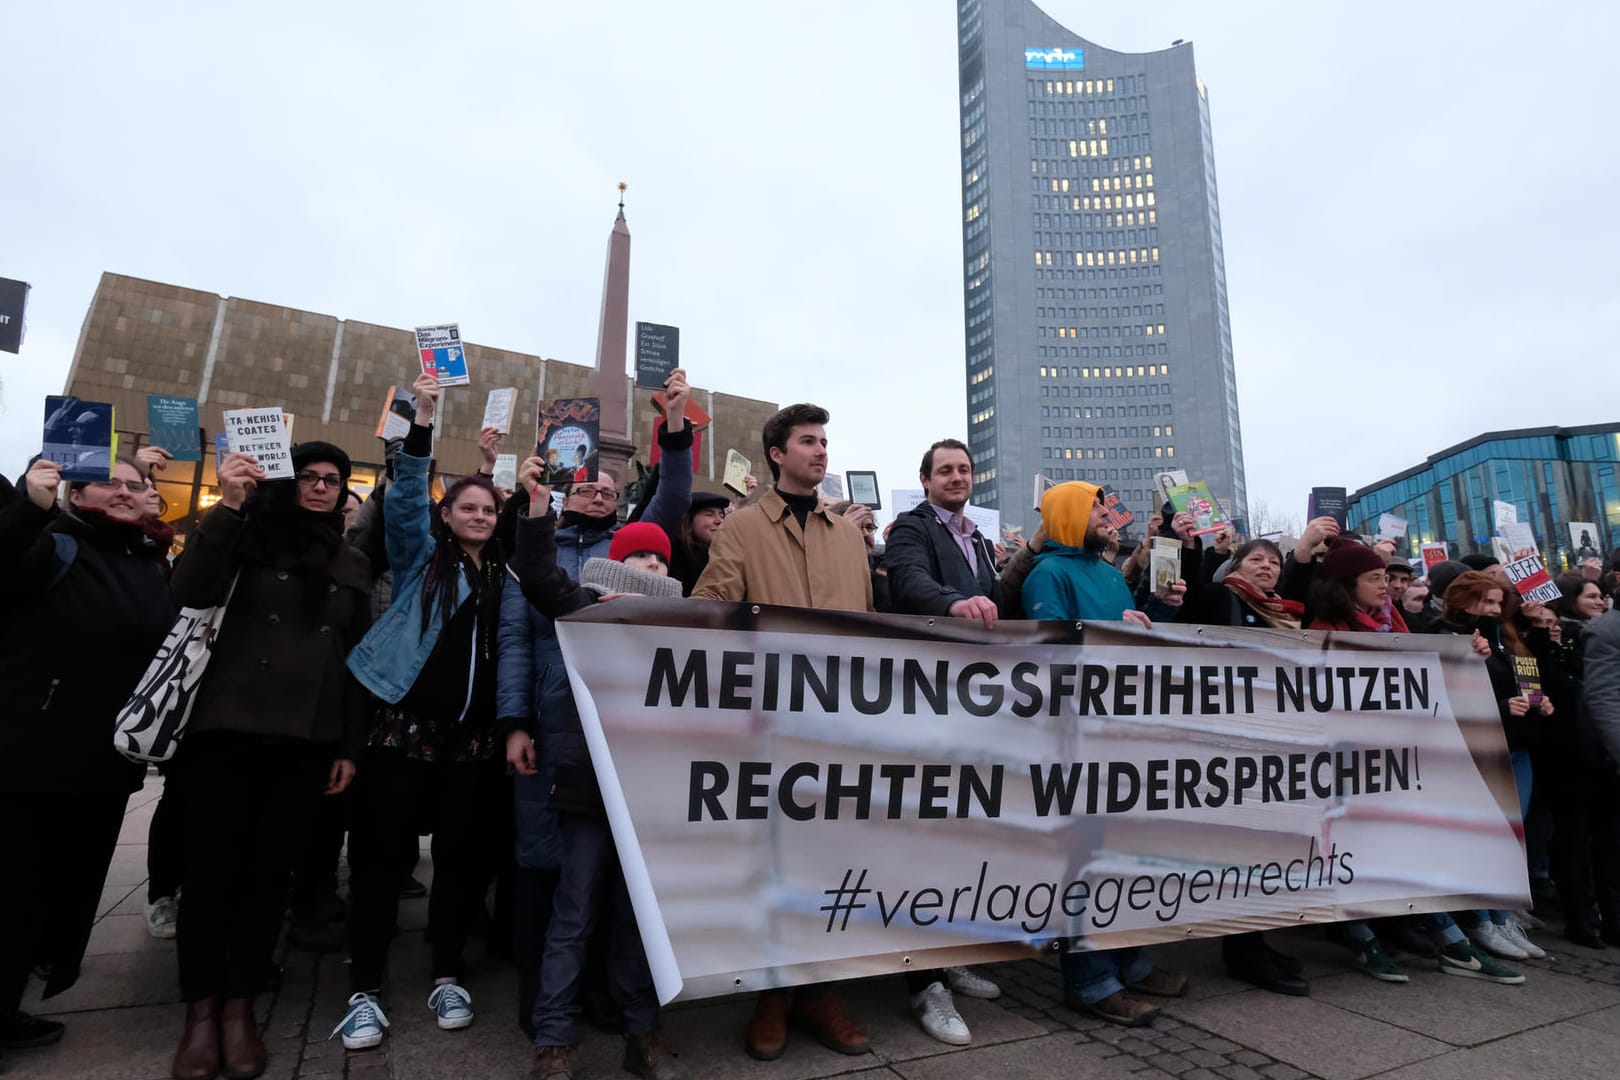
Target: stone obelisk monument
column 611, row 381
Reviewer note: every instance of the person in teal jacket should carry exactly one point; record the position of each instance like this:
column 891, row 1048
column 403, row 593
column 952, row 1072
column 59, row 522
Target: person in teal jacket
column 1071, row 578
column 1072, row 581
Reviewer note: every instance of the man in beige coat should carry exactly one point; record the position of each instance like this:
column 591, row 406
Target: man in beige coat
column 786, row 549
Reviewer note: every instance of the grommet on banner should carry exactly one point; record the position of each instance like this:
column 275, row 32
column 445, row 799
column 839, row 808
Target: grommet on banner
column 1079, row 626
column 1200, row 631
column 1056, row 945
column 908, row 961
column 930, row 622
column 756, row 609
column 736, row 982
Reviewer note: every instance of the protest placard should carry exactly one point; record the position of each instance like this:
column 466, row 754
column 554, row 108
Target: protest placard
column 261, row 433
column 171, row 422
column 1163, row 481
column 498, row 409
column 81, row 437
column 1504, row 513
column 1042, row 485
column 13, row 309
column 658, row 352
column 442, row 354
column 1583, row 536
column 736, row 475
column 863, row 489
column 1113, row 509
column 1435, row 552
column 1529, row 576
column 399, row 410
column 1195, row 499
column 1391, row 527
column 1164, row 565
column 1330, row 502
column 505, row 475
column 568, row 439
column 1520, row 536
column 986, row 520
column 802, row 796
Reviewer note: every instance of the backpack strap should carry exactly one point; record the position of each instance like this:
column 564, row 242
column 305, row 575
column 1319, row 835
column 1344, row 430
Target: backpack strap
column 67, row 549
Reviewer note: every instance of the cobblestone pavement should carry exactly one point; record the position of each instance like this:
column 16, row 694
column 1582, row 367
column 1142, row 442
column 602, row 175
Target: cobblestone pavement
column 124, row 1016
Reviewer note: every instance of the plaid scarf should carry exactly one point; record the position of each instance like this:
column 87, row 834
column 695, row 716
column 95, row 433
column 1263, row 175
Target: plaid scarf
column 1272, row 609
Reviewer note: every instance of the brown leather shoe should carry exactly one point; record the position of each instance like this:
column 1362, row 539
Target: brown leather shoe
column 646, row 1056
column 197, row 1057
column 767, row 1031
column 551, row 1063
column 1120, row 1008
column 241, row 1051
column 1162, row 983
column 823, row 1017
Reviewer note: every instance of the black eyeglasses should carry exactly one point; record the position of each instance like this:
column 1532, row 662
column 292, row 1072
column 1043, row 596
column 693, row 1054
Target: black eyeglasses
column 606, row 494
column 312, row 479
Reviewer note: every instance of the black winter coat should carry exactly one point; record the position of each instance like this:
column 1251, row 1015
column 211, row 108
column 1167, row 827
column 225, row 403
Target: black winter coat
column 928, row 573
column 73, row 644
column 278, row 665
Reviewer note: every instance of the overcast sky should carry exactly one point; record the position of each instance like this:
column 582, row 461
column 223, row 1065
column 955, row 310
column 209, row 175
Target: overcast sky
column 1418, row 200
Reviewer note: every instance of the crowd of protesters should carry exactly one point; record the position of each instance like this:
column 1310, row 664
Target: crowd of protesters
column 392, row 670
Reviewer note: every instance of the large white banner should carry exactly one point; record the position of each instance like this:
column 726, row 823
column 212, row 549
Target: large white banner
column 801, row 796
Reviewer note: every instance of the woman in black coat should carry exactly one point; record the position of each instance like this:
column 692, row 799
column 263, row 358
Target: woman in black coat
column 278, row 720
column 85, row 598
column 1247, row 596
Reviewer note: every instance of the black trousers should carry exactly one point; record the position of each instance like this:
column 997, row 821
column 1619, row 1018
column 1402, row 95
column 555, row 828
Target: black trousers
column 249, row 806
column 462, row 801
column 166, row 838
column 55, row 851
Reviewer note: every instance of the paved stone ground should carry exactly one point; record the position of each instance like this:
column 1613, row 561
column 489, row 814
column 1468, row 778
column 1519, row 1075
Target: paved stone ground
column 124, row 1016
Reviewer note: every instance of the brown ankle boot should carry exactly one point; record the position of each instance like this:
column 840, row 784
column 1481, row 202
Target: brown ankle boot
column 241, row 1051
column 198, row 1055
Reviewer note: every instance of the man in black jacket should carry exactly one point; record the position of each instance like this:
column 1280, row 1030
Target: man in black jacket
column 938, row 561
column 940, row 564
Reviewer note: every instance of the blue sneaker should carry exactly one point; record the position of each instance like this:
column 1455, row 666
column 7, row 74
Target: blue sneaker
column 362, row 1026
column 452, row 1005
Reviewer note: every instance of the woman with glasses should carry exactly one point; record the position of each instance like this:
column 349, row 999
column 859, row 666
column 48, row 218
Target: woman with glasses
column 432, row 760
column 277, row 722
column 85, row 606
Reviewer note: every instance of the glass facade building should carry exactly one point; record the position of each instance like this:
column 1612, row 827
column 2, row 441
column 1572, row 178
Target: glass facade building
column 1098, row 341
column 1553, row 476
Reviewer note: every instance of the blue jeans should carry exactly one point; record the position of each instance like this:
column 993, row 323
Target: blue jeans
column 590, row 880
column 1441, row 928
column 1088, row 977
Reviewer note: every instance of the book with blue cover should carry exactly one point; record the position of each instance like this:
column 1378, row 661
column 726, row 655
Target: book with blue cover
column 171, row 422
column 80, row 437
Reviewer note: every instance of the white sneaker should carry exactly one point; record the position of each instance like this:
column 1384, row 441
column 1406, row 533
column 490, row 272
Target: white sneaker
column 1488, row 936
column 452, row 1005
column 162, row 917
column 1514, row 932
column 937, row 1013
column 968, row 982
column 362, row 1026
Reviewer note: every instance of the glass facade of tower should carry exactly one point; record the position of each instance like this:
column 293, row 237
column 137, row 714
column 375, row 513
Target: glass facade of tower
column 1098, row 341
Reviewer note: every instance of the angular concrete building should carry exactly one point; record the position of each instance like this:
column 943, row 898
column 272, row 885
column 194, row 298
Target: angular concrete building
column 1098, row 342
column 332, row 375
